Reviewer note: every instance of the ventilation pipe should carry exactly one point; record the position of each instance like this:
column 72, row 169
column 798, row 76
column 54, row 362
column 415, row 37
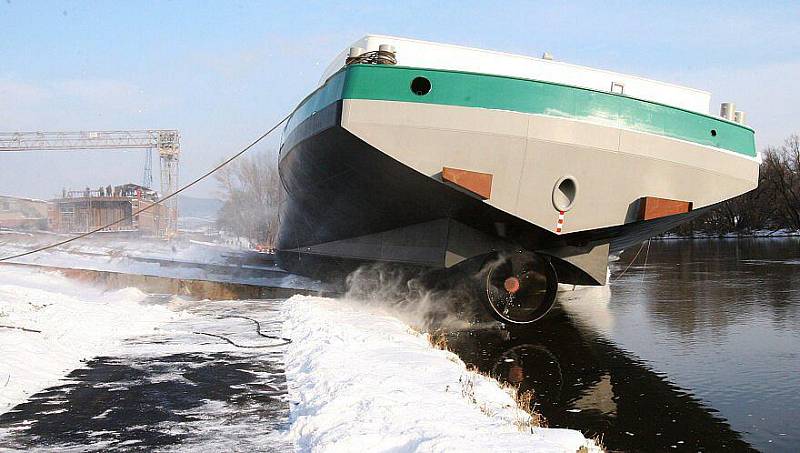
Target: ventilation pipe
column 354, row 53
column 386, row 54
column 726, row 110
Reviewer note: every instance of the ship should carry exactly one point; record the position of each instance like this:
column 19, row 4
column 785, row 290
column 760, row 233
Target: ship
column 518, row 173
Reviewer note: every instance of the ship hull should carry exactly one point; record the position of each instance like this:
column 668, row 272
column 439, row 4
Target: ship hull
column 348, row 203
column 364, row 177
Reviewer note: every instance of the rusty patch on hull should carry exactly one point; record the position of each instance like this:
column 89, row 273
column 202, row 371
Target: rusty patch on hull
column 478, row 183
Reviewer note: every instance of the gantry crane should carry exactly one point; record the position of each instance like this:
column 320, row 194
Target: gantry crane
column 166, row 141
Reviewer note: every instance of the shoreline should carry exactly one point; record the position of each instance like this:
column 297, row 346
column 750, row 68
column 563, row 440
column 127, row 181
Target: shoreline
column 364, row 380
column 752, row 235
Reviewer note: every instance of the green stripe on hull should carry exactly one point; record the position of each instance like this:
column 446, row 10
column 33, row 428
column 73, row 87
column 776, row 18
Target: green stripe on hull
column 392, row 83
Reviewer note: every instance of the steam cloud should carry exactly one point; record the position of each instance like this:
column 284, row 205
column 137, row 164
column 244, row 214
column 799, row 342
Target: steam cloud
column 424, row 303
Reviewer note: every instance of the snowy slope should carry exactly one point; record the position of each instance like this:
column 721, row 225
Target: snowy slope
column 116, row 246
column 131, row 256
column 358, row 379
column 362, row 381
column 76, row 321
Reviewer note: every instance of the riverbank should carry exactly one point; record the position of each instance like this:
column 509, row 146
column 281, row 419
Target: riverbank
column 357, row 378
column 732, row 235
column 361, row 380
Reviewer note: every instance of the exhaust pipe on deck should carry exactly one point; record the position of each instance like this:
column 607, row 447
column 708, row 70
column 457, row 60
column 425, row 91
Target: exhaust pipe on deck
column 385, row 54
column 726, row 110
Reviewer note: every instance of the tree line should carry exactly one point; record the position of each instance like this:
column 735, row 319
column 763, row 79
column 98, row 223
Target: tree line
column 773, row 206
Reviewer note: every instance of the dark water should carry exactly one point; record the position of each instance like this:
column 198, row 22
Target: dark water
column 697, row 351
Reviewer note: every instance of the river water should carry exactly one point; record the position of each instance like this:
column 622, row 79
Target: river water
column 698, row 350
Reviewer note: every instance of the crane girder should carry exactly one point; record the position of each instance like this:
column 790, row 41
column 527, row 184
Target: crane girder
column 166, row 141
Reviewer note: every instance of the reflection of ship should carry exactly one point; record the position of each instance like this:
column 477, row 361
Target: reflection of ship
column 547, row 378
column 441, row 156
column 584, row 382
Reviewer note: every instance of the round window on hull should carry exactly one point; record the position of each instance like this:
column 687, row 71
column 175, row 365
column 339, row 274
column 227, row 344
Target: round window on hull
column 564, row 193
column 420, row 86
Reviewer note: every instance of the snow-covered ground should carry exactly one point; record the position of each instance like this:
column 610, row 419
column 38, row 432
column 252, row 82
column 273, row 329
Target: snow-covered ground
column 122, row 368
column 74, row 323
column 186, row 259
column 365, row 381
column 783, row 232
column 106, row 244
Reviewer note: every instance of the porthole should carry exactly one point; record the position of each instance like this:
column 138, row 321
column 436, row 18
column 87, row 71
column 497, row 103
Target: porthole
column 564, row 193
column 713, row 132
column 420, row 86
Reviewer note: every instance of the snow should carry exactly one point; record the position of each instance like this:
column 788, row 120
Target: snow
column 358, row 379
column 188, row 259
column 760, row 233
column 363, row 380
column 76, row 321
column 117, row 246
column 167, row 389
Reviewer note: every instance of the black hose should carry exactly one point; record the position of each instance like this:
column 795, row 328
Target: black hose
column 21, row 328
column 240, row 345
column 258, row 328
column 258, row 331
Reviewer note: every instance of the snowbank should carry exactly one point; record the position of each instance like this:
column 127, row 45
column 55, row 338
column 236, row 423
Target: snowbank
column 186, row 259
column 780, row 233
column 92, row 248
column 362, row 381
column 76, row 321
column 190, row 259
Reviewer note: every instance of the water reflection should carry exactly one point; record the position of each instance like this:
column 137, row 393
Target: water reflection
column 720, row 317
column 583, row 381
column 707, row 286
column 717, row 317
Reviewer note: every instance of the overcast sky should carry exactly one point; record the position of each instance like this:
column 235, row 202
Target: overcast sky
column 222, row 72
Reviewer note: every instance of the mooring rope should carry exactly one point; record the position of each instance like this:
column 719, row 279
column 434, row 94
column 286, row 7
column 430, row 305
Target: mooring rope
column 619, row 276
column 646, row 255
column 158, row 202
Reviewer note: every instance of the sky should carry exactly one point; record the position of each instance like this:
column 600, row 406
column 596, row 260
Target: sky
column 222, row 72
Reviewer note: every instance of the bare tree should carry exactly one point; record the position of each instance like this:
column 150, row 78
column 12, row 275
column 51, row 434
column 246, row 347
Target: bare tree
column 782, row 165
column 252, row 197
column 773, row 205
